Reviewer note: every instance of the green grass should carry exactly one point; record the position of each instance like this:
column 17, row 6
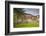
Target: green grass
column 31, row 24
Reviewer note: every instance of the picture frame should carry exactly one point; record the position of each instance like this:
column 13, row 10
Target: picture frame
column 9, row 14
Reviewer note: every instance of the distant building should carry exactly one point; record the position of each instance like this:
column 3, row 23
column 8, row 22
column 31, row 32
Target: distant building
column 28, row 18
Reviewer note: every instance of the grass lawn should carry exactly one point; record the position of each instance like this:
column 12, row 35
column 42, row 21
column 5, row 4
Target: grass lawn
column 32, row 24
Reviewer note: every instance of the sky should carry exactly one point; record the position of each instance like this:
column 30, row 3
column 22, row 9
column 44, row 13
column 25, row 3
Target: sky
column 32, row 11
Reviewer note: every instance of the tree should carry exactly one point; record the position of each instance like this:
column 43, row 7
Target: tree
column 18, row 14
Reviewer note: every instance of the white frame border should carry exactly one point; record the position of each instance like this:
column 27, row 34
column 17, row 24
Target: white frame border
column 24, row 29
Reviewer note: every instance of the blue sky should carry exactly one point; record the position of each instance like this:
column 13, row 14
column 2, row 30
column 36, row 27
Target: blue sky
column 32, row 11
